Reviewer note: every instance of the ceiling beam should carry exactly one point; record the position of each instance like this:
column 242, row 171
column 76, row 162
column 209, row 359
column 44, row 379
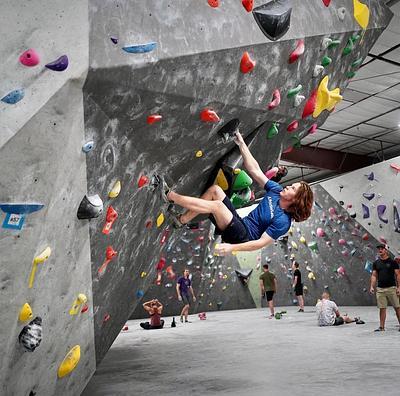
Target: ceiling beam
column 327, row 159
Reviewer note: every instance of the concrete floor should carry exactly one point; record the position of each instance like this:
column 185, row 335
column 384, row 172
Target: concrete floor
column 244, row 353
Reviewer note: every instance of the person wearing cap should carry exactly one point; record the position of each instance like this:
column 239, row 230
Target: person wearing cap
column 385, row 278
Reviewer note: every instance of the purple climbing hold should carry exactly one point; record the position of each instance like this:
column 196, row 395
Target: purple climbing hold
column 368, row 196
column 114, row 40
column 59, row 64
column 396, row 215
column 365, row 209
column 381, row 210
column 371, row 176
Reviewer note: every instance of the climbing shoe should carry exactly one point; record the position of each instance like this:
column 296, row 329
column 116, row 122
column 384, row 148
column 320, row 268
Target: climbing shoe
column 379, row 329
column 359, row 321
column 300, row 310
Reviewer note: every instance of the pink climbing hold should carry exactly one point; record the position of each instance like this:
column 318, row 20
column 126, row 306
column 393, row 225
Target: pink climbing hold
column 209, row 115
column 313, row 128
column 248, row 5
column 297, row 52
column 276, row 100
column 320, row 232
column 341, row 271
column 332, row 211
column 213, row 3
column 396, row 167
column 29, row 58
column 288, row 150
column 342, row 242
column 326, row 2
column 293, row 126
column 246, row 63
column 151, row 119
column 272, row 172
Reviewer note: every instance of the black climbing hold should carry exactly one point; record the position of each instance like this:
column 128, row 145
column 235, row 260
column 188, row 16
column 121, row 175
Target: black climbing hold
column 31, row 335
column 90, row 207
column 173, row 324
column 227, row 132
column 244, row 274
column 273, row 18
column 284, row 239
column 341, row 203
column 219, row 305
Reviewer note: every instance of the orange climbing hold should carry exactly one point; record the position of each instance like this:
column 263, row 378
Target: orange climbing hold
column 151, row 119
column 247, row 64
column 143, row 180
column 310, row 105
column 110, row 218
column 293, row 126
column 248, row 5
column 276, row 100
column 297, row 52
column 213, row 3
column 209, row 115
column 110, row 254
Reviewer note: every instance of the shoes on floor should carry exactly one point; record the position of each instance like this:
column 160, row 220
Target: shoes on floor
column 188, row 321
column 379, row 329
column 300, row 310
column 271, row 316
column 181, row 319
column 359, row 321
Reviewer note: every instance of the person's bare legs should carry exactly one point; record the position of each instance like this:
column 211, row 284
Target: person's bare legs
column 348, row 319
column 301, row 302
column 397, row 310
column 271, row 307
column 382, row 317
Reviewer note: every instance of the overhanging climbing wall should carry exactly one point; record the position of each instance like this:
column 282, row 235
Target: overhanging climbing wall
column 98, row 95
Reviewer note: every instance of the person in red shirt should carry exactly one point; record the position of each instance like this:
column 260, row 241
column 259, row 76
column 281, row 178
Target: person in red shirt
column 154, row 309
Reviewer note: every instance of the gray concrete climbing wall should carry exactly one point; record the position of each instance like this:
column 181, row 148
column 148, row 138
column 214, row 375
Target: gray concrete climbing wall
column 179, row 59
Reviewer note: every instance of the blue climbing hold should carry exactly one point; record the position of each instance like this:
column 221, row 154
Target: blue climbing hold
column 369, row 196
column 140, row 48
column 88, row 146
column 365, row 209
column 139, row 293
column 59, row 64
column 368, row 267
column 14, row 96
column 20, row 208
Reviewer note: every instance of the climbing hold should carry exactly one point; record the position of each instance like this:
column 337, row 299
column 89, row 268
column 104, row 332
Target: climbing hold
column 368, row 266
column 248, row 5
column 88, row 146
column 29, row 58
column 342, row 242
column 199, row 154
column 311, row 276
column 70, row 361
column 111, row 216
column 365, row 237
column 368, row 196
column 246, row 63
column 294, row 245
column 326, row 61
column 326, row 42
column 296, row 141
column 313, row 128
column 139, row 293
column 76, row 306
column 350, row 74
column 115, row 190
column 395, row 167
column 320, row 232
column 114, row 40
column 85, row 308
column 170, row 272
column 371, row 176
column 228, row 131
column 106, row 318
column 209, row 115
column 30, row 336
column 273, row 130
column 332, row 211
column 273, row 18
column 241, row 198
column 151, row 119
column 25, row 313
column 14, row 97
column 213, row 3
column 39, row 259
column 357, row 63
column 334, row 44
column 293, row 126
column 381, row 211
column 317, row 70
column 298, row 99
column 110, row 254
column 221, row 181
column 271, row 172
column 303, row 240
column 349, row 47
column 299, row 50
column 59, row 64
column 341, row 12
column 294, row 91
column 143, row 180
column 361, row 13
column 365, row 211
column 140, row 48
column 341, row 271
column 244, row 274
column 90, row 207
column 288, row 150
column 326, row 99
column 396, row 215
column 326, row 2
column 276, row 100
column 160, row 220
column 313, row 246
column 242, row 181
column 310, row 105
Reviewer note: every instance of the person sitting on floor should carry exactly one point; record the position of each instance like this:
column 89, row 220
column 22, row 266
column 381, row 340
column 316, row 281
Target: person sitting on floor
column 154, row 309
column 328, row 313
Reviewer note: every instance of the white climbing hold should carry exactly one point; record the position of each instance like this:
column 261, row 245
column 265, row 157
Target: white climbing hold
column 326, row 42
column 317, row 70
column 341, row 11
column 298, row 99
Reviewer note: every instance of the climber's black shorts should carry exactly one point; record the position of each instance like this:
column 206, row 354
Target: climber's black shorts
column 236, row 232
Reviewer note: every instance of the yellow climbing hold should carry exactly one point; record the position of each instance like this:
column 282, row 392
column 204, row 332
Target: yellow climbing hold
column 224, row 288
column 290, row 231
column 143, row 274
column 236, row 171
column 221, row 181
column 199, row 154
column 40, row 259
column 160, row 219
column 326, row 100
column 225, row 277
column 311, row 276
column 70, row 361
column 303, row 240
column 361, row 13
column 25, row 313
column 294, row 245
column 80, row 300
column 115, row 190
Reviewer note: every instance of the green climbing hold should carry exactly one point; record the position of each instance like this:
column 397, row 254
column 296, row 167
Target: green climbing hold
column 295, row 140
column 273, row 130
column 349, row 47
column 350, row 74
column 354, row 37
column 241, row 198
column 294, row 91
column 326, row 61
column 313, row 246
column 242, row 181
column 357, row 63
column 334, row 43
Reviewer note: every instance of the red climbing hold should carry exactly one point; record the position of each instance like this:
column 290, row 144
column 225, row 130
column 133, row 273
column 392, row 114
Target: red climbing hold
column 297, row 52
column 209, row 115
column 110, row 218
column 85, row 308
column 248, row 5
column 276, row 100
column 151, row 119
column 161, row 264
column 143, row 180
column 292, row 126
column 326, row 2
column 110, row 253
column 29, row 58
column 213, row 3
column 313, row 128
column 288, row 150
column 125, row 328
column 247, row 64
column 164, row 236
column 310, row 105
column 106, row 318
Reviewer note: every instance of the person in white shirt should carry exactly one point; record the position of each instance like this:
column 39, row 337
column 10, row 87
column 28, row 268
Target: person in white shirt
column 328, row 313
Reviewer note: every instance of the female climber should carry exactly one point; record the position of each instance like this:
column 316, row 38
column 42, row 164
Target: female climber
column 154, row 309
column 268, row 221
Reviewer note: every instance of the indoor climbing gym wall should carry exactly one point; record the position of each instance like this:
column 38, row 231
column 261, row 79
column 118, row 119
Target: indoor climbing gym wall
column 102, row 99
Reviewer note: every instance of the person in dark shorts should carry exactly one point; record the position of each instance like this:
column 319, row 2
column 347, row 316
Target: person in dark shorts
column 298, row 285
column 183, row 288
column 385, row 272
column 268, row 288
column 154, row 309
column 268, row 221
column 328, row 313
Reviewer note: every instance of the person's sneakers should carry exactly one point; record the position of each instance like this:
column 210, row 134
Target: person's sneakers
column 181, row 319
column 188, row 321
column 379, row 329
column 358, row 321
column 271, row 316
column 300, row 310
